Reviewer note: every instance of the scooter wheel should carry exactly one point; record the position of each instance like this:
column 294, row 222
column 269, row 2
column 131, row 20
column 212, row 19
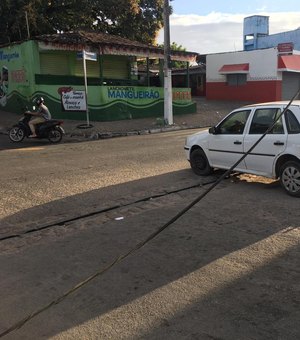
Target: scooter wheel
column 16, row 134
column 55, row 135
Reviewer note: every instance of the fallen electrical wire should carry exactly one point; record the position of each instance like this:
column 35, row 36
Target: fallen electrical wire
column 138, row 246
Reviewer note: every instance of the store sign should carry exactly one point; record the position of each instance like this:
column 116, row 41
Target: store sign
column 8, row 56
column 88, row 55
column 142, row 95
column 73, row 101
column 132, row 93
column 285, row 47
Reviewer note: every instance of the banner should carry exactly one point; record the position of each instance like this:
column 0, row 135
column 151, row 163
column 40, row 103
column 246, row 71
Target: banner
column 73, row 101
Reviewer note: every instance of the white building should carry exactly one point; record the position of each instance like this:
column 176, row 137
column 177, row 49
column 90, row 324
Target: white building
column 253, row 76
column 268, row 69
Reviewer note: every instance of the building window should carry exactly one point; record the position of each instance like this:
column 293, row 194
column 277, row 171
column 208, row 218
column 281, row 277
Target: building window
column 236, row 79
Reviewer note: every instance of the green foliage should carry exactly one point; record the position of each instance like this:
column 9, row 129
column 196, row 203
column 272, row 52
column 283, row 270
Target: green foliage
column 138, row 20
column 13, row 26
column 134, row 19
column 175, row 47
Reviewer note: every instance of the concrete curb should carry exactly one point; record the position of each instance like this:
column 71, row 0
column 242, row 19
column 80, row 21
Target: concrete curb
column 105, row 135
column 95, row 135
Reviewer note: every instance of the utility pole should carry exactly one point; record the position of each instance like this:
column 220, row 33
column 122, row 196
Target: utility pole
column 168, row 108
column 86, row 87
column 27, row 25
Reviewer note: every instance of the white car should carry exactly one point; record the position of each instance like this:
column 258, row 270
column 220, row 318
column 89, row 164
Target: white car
column 276, row 156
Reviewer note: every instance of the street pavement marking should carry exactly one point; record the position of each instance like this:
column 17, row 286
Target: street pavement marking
column 35, row 148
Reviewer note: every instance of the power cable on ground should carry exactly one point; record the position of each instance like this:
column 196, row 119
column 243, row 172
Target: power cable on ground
column 97, row 212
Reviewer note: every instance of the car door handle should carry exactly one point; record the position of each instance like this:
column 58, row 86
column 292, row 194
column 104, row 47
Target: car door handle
column 237, row 142
column 278, row 143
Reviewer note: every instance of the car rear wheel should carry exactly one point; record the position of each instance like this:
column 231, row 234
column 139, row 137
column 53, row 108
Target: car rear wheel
column 290, row 178
column 199, row 163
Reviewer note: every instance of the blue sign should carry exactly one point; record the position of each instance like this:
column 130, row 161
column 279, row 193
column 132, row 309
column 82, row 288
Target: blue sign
column 88, row 55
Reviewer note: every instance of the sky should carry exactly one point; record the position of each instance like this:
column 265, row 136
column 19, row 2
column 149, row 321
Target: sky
column 214, row 26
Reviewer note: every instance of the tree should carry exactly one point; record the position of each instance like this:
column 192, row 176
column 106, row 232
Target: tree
column 134, row 19
column 13, row 23
column 142, row 22
column 175, row 47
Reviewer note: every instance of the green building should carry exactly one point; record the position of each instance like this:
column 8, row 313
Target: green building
column 61, row 67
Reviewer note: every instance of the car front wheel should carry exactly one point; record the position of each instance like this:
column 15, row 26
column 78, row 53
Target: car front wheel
column 290, row 178
column 199, row 163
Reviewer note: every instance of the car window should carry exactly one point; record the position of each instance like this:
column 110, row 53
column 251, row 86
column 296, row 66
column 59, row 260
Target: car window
column 292, row 123
column 235, row 123
column 263, row 119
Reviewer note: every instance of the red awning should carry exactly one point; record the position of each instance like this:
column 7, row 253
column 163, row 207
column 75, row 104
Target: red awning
column 234, row 68
column 289, row 63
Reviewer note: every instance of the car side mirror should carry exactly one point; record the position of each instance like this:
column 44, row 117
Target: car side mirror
column 213, row 130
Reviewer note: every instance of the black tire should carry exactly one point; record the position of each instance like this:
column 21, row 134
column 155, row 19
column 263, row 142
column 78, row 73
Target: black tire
column 16, row 134
column 290, row 178
column 55, row 135
column 199, row 163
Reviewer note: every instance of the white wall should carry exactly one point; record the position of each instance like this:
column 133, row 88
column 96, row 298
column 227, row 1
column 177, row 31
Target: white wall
column 262, row 64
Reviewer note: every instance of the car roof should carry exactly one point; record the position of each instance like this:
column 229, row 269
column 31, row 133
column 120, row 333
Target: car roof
column 279, row 103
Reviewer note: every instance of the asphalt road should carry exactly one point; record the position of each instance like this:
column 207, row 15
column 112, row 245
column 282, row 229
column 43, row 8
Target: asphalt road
column 5, row 143
column 227, row 269
column 44, row 173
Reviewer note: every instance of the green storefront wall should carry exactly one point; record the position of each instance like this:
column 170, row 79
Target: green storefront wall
column 25, row 75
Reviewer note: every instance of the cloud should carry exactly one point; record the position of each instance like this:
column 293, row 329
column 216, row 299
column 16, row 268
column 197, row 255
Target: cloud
column 263, row 8
column 209, row 38
column 211, row 18
column 221, row 32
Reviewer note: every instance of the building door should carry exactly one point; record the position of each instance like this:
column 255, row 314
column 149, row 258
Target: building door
column 290, row 85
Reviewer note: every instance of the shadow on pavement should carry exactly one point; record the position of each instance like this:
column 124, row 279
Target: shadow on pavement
column 225, row 270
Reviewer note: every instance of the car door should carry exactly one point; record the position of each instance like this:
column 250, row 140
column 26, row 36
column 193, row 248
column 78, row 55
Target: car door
column 261, row 158
column 225, row 146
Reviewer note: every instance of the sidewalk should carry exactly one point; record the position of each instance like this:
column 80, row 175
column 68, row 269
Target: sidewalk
column 209, row 112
